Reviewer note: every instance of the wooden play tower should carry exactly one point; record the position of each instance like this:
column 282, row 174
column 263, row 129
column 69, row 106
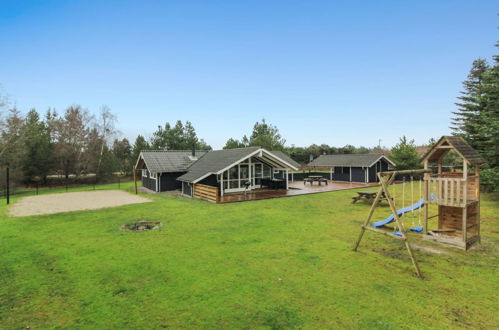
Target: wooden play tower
column 456, row 194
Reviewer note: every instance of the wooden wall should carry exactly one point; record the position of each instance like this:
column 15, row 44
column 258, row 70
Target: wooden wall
column 207, row 193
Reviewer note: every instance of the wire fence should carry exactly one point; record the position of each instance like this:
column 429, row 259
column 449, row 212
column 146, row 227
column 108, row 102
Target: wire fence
column 15, row 190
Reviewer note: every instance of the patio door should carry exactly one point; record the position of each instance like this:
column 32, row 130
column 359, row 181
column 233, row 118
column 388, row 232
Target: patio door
column 236, row 177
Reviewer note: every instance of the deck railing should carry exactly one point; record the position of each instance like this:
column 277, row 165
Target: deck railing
column 451, row 191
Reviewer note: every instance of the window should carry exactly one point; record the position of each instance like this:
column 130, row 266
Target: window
column 144, row 173
column 243, row 172
column 345, row 170
column 266, row 171
column 233, row 173
column 258, row 170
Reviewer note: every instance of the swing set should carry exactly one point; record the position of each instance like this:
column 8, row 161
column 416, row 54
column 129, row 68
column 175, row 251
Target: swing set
column 386, row 179
column 456, row 196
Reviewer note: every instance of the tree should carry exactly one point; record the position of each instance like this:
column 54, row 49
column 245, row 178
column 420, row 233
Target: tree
column 299, row 154
column 266, row 136
column 139, row 145
column 106, row 129
column 348, row 149
column 263, row 135
column 122, row 151
column 405, row 155
column 233, row 144
column 71, row 134
column 489, row 131
column 178, row 137
column 10, row 150
column 37, row 153
column 469, row 119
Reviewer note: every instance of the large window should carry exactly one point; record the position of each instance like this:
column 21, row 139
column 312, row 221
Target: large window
column 238, row 175
column 243, row 172
column 266, row 171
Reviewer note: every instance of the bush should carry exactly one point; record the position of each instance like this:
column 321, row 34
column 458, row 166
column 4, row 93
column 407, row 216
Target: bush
column 489, row 179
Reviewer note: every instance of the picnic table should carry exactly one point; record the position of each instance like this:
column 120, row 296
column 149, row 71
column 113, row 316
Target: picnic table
column 368, row 196
column 315, row 178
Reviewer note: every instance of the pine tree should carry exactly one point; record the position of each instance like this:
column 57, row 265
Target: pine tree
column 405, row 155
column 469, row 119
column 37, row 155
column 489, row 138
column 139, row 145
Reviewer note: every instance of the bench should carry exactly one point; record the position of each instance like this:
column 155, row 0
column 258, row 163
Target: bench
column 368, row 196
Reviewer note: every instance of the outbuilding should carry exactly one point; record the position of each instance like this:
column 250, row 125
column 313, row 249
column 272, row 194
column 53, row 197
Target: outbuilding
column 353, row 167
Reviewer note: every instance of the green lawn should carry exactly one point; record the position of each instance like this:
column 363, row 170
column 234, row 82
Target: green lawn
column 281, row 263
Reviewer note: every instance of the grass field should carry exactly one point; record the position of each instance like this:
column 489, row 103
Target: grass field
column 281, row 263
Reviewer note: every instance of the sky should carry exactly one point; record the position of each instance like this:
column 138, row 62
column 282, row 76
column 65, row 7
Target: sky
column 335, row 72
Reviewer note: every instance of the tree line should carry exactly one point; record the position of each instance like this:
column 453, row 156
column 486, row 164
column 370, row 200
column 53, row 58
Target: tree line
column 267, row 136
column 76, row 143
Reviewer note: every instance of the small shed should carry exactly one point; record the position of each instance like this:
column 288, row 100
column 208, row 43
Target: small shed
column 456, row 194
column 353, row 167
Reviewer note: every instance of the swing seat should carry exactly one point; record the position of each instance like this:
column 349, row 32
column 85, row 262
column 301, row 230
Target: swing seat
column 399, row 234
column 417, row 229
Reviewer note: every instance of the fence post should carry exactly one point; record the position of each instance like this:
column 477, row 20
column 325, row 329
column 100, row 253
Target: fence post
column 37, row 188
column 7, row 185
column 119, row 183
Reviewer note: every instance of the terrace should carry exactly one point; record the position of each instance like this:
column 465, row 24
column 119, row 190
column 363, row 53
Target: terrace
column 295, row 188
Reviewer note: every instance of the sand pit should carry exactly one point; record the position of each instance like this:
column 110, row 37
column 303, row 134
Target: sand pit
column 75, row 201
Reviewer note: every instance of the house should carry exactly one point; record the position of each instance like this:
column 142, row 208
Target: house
column 353, row 167
column 226, row 171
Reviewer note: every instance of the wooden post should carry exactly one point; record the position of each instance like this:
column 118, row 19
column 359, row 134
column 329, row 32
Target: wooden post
column 134, row 170
column 383, row 181
column 7, row 185
column 465, row 202
column 426, row 177
column 401, row 230
column 477, row 195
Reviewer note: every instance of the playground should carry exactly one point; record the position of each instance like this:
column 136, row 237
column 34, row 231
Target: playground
column 276, row 263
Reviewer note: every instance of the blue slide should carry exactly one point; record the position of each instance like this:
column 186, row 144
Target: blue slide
column 400, row 212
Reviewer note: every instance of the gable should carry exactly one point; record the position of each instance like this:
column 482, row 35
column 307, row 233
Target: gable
column 217, row 161
column 457, row 143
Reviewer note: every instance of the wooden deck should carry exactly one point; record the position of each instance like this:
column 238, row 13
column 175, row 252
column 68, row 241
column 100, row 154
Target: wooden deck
column 295, row 189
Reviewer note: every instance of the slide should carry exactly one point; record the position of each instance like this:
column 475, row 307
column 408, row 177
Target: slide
column 400, row 212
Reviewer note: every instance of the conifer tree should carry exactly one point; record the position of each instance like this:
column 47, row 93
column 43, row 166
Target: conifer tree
column 469, row 117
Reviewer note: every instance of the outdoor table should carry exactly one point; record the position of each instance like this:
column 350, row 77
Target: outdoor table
column 368, row 196
column 312, row 178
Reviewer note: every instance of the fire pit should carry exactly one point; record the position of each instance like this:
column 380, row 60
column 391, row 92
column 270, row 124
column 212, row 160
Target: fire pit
column 142, row 226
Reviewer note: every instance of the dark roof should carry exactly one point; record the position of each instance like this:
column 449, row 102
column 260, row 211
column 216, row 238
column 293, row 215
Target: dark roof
column 286, row 158
column 169, row 161
column 461, row 147
column 347, row 160
column 215, row 161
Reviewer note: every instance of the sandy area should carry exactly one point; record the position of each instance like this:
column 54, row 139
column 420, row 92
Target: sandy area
column 74, row 201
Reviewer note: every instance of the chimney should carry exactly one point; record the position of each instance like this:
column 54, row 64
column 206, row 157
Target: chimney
column 193, row 150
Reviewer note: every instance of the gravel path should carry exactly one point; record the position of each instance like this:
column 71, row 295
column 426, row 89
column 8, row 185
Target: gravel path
column 74, row 201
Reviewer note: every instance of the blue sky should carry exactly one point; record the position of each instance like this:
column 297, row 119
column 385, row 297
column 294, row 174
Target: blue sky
column 333, row 72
